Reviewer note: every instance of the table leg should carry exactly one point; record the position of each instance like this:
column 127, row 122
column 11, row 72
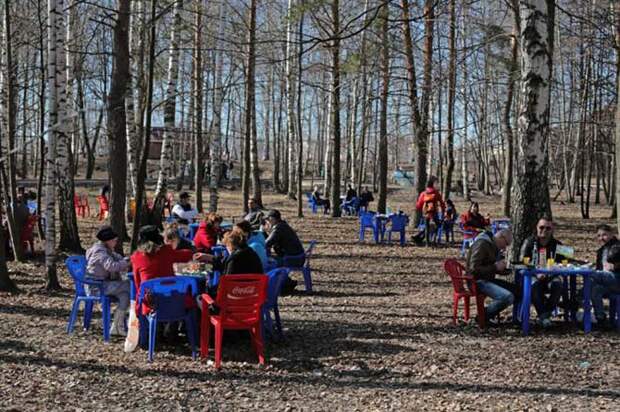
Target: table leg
column 566, row 297
column 376, row 229
column 525, row 305
column 587, row 320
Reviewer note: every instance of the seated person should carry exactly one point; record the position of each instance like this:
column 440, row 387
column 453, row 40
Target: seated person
column 104, row 264
column 283, row 240
column 31, row 202
column 473, row 221
column 607, row 238
column 429, row 202
column 183, row 211
column 605, row 284
column 174, row 240
column 256, row 241
column 449, row 218
column 351, row 193
column 255, row 213
column 208, row 232
column 539, row 248
column 316, row 196
column 152, row 259
column 241, row 259
column 483, row 264
column 366, row 197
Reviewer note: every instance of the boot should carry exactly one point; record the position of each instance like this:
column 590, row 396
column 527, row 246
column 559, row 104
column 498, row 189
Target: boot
column 118, row 324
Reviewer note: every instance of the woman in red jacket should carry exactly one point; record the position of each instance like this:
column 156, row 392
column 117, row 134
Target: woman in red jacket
column 429, row 202
column 473, row 222
column 208, row 233
column 154, row 260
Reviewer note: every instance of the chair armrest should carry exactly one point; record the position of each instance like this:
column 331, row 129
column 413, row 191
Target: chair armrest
column 207, row 299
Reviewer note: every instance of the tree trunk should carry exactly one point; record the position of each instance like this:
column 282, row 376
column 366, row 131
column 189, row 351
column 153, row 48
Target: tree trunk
column 117, row 129
column 197, row 111
column 616, row 186
column 512, row 73
column 300, row 141
column 532, row 191
column 335, row 91
column 451, row 99
column 165, row 161
column 251, row 105
column 383, row 144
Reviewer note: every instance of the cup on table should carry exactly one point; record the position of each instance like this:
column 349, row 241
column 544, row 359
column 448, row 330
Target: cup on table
column 550, row 263
column 526, row 260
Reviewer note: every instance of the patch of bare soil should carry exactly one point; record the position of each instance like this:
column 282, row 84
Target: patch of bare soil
column 377, row 334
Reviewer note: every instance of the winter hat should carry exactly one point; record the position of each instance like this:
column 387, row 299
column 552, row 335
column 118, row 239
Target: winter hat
column 150, row 233
column 106, row 233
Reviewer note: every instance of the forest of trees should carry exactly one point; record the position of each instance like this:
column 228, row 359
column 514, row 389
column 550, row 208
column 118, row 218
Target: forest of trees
column 510, row 97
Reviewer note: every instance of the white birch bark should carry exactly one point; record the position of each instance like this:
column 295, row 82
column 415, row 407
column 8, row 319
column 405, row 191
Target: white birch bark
column 165, row 162
column 290, row 100
column 216, row 126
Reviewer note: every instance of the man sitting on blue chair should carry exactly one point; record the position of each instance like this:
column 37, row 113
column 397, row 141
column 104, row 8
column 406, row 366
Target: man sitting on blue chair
column 539, row 248
column 285, row 244
column 320, row 201
column 605, row 283
column 366, row 197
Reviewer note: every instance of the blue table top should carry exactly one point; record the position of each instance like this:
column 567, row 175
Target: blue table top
column 556, row 270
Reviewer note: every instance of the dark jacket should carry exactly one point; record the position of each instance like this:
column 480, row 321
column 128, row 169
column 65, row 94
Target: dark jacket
column 530, row 249
column 365, row 198
column 240, row 262
column 284, row 241
column 351, row 193
column 482, row 257
column 603, row 251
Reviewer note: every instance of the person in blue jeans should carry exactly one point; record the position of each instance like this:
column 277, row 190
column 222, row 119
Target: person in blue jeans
column 484, row 262
column 605, row 284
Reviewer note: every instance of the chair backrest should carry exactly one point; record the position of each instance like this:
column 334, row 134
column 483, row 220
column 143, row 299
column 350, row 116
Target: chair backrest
column 355, row 202
column 309, row 196
column 398, row 222
column 240, row 297
column 366, row 218
column 84, row 200
column 76, row 266
column 456, row 271
column 219, row 250
column 274, row 287
column 167, row 295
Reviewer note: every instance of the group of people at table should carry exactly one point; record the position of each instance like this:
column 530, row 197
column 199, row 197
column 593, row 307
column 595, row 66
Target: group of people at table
column 247, row 244
column 486, row 261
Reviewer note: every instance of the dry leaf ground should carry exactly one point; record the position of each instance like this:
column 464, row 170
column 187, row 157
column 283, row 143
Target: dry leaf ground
column 376, row 335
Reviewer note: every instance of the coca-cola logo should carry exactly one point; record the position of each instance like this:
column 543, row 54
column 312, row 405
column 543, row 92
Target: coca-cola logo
column 247, row 290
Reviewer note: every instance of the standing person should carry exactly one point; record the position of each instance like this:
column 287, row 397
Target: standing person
column 105, row 265
column 320, row 201
column 449, row 218
column 208, row 232
column 366, row 197
column 429, row 202
column 539, row 248
column 473, row 221
column 351, row 193
column 484, row 262
column 183, row 211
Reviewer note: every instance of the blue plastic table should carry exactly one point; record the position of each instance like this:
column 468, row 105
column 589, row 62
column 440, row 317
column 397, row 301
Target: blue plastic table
column 572, row 274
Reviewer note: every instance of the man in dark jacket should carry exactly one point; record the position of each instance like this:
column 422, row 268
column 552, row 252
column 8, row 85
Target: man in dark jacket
column 283, row 239
column 366, row 197
column 484, row 261
column 605, row 284
column 607, row 238
column 539, row 248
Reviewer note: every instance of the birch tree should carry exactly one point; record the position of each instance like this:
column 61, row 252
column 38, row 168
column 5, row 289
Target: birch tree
column 385, row 87
column 536, row 49
column 216, row 128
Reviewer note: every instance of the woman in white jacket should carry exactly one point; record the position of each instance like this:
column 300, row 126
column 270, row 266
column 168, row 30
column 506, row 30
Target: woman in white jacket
column 104, row 264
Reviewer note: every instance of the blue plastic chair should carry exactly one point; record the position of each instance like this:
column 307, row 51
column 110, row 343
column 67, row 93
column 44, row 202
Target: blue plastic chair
column 289, row 263
column 218, row 251
column 436, row 235
column 76, row 265
column 273, row 327
column 352, row 207
column 193, row 229
column 397, row 224
column 366, row 222
column 311, row 202
column 166, row 297
column 467, row 241
column 499, row 224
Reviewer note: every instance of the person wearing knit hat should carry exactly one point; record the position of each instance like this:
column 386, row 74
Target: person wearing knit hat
column 105, row 265
column 605, row 284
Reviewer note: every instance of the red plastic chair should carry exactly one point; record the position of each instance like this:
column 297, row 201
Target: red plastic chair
column 85, row 205
column 464, row 288
column 77, row 204
column 104, row 207
column 239, row 299
column 27, row 233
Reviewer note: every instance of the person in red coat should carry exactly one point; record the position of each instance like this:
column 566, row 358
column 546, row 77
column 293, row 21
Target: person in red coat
column 208, row 233
column 429, row 202
column 154, row 260
column 473, row 222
